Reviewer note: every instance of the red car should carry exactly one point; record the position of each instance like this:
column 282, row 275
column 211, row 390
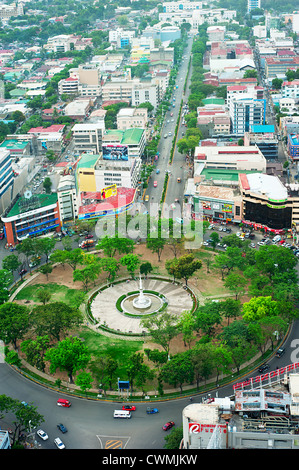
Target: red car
column 155, row 184
column 129, row 407
column 88, row 237
column 168, row 425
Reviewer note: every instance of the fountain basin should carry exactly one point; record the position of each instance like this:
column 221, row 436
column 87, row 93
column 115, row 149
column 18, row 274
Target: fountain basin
column 131, row 305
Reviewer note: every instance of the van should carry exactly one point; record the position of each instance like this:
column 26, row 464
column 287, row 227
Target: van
column 122, row 414
column 276, row 239
column 63, row 402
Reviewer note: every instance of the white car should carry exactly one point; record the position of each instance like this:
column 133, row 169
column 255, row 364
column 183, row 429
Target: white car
column 58, row 442
column 42, row 434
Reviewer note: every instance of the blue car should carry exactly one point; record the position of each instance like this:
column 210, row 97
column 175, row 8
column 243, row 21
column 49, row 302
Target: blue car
column 151, row 411
column 157, row 171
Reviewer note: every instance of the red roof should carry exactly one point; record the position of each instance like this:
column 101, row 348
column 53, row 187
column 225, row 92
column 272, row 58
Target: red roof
column 236, row 87
column 46, row 130
column 124, row 197
column 244, row 181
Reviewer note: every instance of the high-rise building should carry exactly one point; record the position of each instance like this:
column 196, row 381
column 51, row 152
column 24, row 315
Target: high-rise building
column 253, row 4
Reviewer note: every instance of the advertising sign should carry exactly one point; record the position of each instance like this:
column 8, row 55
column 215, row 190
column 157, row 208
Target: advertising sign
column 115, row 152
column 196, row 428
column 227, row 208
column 109, row 191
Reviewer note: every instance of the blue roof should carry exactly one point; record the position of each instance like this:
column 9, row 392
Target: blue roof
column 262, row 128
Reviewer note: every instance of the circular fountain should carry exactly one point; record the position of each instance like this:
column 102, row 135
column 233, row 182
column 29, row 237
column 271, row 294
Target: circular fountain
column 141, row 304
column 142, row 301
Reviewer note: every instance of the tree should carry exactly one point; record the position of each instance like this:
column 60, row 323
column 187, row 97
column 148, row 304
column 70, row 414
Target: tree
column 70, row 355
column 178, row 370
column 134, row 366
column 6, row 279
column 47, row 184
column 46, row 269
column 111, row 266
column 187, row 327
column 146, row 268
column 131, row 261
column 236, row 283
column 55, row 319
column 156, row 245
column 22, row 417
column 104, row 368
column 87, row 274
column 186, row 266
column 46, row 246
column 215, row 239
column 43, row 295
column 11, row 263
column 84, row 381
column 202, row 362
column 74, row 258
column 35, row 351
column 258, row 308
column 14, row 322
column 207, row 316
column 26, row 248
column 174, row 439
column 162, row 329
column 112, row 245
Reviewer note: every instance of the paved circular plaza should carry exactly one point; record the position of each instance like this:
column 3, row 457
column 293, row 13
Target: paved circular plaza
column 104, row 310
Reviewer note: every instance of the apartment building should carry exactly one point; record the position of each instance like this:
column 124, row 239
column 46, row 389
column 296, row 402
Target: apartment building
column 248, row 158
column 69, row 86
column 6, row 172
column 290, row 89
column 253, row 4
column 265, row 138
column 181, row 6
column 277, row 66
column 14, row 9
column 67, row 200
column 121, row 38
column 132, row 117
column 245, row 112
column 134, row 91
column 87, row 137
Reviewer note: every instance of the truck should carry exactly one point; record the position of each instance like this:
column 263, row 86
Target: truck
column 86, row 244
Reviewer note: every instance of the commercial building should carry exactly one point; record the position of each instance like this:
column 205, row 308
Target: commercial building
column 248, row 158
column 277, row 66
column 290, row 89
column 265, row 201
column 6, row 172
column 85, row 172
column 293, row 146
column 95, row 206
column 32, row 215
column 67, row 200
column 216, row 203
column 265, row 138
column 253, row 4
column 245, row 112
column 132, row 117
column 132, row 141
column 87, row 137
column 181, row 6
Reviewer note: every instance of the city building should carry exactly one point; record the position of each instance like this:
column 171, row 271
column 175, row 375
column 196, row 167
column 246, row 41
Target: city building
column 278, row 66
column 79, row 109
column 85, row 172
column 293, row 146
column 131, row 141
column 265, row 201
column 87, row 137
column 14, row 9
column 290, row 89
column 230, row 158
column 265, row 138
column 253, row 4
column 30, row 216
column 181, row 6
column 115, row 201
column 67, row 200
column 245, row 112
column 6, row 172
column 4, row 440
column 132, row 117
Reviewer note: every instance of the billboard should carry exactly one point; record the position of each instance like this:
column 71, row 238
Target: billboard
column 109, row 191
column 115, row 152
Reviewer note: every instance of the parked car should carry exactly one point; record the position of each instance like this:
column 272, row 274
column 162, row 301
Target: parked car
column 280, row 352
column 88, row 237
column 58, row 442
column 151, row 411
column 157, row 171
column 263, row 368
column 22, row 272
column 62, row 428
column 168, row 425
column 155, row 184
column 42, row 434
column 146, row 198
column 129, row 407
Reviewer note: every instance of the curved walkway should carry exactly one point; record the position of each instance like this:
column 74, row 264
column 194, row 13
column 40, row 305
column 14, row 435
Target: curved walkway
column 104, row 311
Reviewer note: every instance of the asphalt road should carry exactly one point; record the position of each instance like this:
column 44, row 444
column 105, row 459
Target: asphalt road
column 174, row 190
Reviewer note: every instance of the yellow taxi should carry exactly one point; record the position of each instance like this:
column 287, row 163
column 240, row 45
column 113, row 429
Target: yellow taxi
column 146, row 197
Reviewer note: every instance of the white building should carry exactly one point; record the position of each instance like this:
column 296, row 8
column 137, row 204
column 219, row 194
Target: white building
column 245, row 112
column 67, row 200
column 132, row 117
column 87, row 137
column 181, row 6
column 246, row 158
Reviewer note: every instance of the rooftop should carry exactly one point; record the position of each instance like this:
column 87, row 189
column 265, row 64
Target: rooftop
column 87, row 160
column 268, row 186
column 42, row 200
column 126, row 137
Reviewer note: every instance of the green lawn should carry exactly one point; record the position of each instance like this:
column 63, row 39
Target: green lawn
column 60, row 293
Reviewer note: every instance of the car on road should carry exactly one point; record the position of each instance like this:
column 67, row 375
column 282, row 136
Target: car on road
column 146, row 198
column 151, row 411
column 157, row 171
column 129, row 407
column 179, row 180
column 22, row 272
column 263, row 368
column 168, row 425
column 88, row 237
column 42, row 434
column 280, row 352
column 155, row 184
column 62, row 428
column 58, row 442
column 252, row 245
